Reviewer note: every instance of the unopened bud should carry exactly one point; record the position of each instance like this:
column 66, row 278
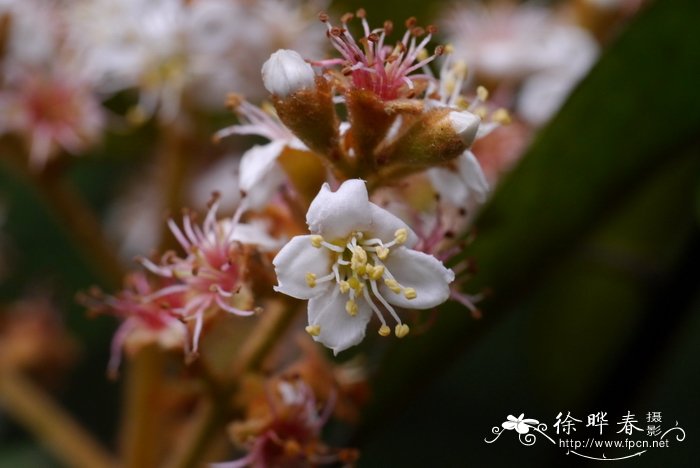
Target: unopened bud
column 286, row 72
column 465, row 124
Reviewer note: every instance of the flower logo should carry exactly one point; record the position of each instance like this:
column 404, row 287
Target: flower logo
column 522, row 426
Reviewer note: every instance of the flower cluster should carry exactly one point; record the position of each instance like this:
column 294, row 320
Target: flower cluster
column 344, row 193
column 61, row 62
column 285, row 430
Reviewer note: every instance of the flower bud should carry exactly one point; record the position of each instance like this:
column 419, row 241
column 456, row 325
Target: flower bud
column 286, row 72
column 438, row 136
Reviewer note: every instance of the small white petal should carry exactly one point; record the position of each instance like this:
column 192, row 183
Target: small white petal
column 420, row 271
column 297, row 258
column 254, row 233
column 286, row 72
column 257, row 162
column 465, row 124
column 473, row 177
column 339, row 330
column 336, row 214
column 449, row 184
column 522, row 428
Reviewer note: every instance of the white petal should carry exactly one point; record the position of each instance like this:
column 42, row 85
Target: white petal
column 420, row 271
column 473, row 177
column 336, row 214
column 522, row 428
column 508, row 425
column 485, row 128
column 297, row 258
column 257, row 162
column 254, row 233
column 449, row 185
column 339, row 330
column 385, row 224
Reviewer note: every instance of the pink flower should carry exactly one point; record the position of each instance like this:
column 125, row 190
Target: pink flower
column 147, row 317
column 53, row 113
column 212, row 275
column 372, row 64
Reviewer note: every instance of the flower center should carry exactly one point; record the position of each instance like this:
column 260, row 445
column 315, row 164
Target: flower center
column 358, row 266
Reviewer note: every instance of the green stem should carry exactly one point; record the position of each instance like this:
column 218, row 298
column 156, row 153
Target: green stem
column 34, row 409
column 142, row 431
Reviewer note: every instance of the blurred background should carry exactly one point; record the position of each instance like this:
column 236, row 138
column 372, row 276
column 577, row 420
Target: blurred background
column 588, row 249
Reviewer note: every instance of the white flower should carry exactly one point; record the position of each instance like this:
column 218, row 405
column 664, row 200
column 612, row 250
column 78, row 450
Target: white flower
column 521, row 425
column 259, row 175
column 357, row 260
column 286, row 72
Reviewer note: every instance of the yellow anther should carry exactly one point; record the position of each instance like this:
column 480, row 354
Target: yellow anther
column 361, row 269
column 344, row 287
column 313, row 330
column 422, row 55
column 481, row 111
column 501, row 116
column 369, row 270
column 401, row 330
column 393, row 285
column 377, row 272
column 382, row 252
column 401, row 235
column 384, row 330
column 311, row 280
column 316, row 241
column 351, row 308
column 410, row 293
column 482, row 93
column 359, row 255
column 355, row 283
column 460, row 67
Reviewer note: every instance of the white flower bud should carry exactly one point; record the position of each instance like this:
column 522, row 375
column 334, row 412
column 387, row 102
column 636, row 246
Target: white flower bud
column 465, row 124
column 286, row 72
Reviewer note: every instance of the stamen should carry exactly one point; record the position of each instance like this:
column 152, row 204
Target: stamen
column 393, row 285
column 317, row 241
column 375, row 290
column 313, row 330
column 401, row 235
column 333, row 247
column 351, row 308
column 376, row 310
column 482, row 93
column 501, row 116
column 377, row 272
column 384, row 330
column 355, row 284
column 401, row 330
column 382, row 252
column 410, row 293
column 344, row 286
column 311, row 280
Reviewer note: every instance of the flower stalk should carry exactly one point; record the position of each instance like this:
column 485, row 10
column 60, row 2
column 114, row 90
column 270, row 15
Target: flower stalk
column 36, row 411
